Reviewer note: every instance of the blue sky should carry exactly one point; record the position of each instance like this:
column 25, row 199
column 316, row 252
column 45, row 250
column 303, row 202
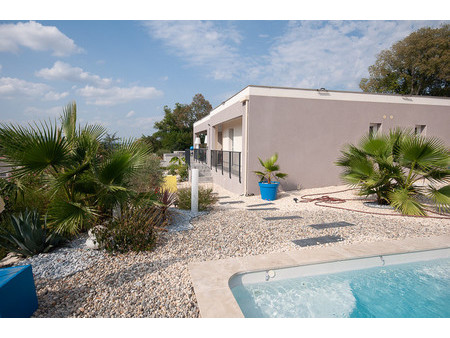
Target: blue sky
column 122, row 73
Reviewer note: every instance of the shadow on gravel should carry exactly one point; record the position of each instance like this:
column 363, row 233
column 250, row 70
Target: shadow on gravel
column 61, row 304
column 331, row 225
column 139, row 270
column 318, row 240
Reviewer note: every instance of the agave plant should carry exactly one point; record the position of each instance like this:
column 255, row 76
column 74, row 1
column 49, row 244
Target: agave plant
column 84, row 185
column 393, row 166
column 270, row 169
column 30, row 237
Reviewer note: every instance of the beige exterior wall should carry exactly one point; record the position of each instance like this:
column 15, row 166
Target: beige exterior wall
column 308, row 134
column 308, row 128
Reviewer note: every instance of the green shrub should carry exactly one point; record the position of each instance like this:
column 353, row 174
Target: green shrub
column 183, row 171
column 179, row 167
column 29, row 236
column 206, row 198
column 149, row 176
column 172, row 169
column 135, row 230
column 28, row 192
column 5, row 226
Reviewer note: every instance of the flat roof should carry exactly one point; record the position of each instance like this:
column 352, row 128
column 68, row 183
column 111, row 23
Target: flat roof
column 325, row 94
column 347, row 91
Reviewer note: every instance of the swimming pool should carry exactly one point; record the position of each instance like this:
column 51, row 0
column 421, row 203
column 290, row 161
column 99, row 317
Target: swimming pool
column 393, row 286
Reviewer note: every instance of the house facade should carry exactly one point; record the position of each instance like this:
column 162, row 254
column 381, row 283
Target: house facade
column 308, row 129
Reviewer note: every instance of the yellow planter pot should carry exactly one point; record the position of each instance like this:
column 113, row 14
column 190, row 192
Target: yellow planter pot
column 170, row 183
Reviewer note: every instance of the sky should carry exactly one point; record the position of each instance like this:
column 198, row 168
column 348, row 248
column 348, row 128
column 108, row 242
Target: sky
column 122, row 73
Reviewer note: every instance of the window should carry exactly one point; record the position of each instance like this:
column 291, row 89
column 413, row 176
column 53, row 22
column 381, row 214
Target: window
column 231, row 137
column 419, row 129
column 374, row 128
column 219, row 140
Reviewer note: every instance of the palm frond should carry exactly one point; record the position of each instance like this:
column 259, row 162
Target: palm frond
column 33, row 150
column 69, row 121
column 405, row 201
column 425, row 153
column 441, row 197
column 69, row 217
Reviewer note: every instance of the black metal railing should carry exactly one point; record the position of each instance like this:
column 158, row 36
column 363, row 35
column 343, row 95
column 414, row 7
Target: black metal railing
column 227, row 162
column 187, row 157
column 200, row 155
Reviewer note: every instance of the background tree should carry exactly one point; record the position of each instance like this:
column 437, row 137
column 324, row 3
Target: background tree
column 174, row 131
column 417, row 65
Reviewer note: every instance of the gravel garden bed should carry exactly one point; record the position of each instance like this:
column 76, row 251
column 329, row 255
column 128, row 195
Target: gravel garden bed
column 157, row 283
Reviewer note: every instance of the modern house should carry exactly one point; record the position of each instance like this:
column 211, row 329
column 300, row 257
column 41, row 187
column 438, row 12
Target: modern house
column 307, row 128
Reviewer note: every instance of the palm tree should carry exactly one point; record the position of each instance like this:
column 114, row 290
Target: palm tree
column 270, row 169
column 391, row 166
column 84, row 185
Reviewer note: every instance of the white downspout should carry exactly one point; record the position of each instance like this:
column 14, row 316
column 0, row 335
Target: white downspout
column 247, row 101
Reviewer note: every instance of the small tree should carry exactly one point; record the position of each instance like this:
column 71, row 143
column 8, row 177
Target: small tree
column 417, row 65
column 392, row 166
column 174, row 131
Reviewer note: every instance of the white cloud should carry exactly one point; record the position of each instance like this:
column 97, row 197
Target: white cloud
column 314, row 54
column 130, row 113
column 201, row 43
column 115, row 95
column 37, row 37
column 64, row 71
column 53, row 96
column 309, row 54
column 12, row 87
column 53, row 111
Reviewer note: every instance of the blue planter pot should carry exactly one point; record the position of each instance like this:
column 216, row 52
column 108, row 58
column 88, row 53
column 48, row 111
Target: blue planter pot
column 269, row 191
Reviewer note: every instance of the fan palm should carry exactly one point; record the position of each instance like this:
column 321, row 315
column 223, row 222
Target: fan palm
column 391, row 166
column 84, row 185
column 270, row 169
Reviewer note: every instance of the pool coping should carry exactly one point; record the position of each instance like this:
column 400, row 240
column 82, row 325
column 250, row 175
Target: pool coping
column 210, row 279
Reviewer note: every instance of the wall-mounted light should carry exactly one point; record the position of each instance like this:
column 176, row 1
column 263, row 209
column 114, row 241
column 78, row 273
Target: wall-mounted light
column 206, row 139
column 197, row 140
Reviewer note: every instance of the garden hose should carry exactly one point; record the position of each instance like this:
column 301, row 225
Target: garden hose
column 327, row 200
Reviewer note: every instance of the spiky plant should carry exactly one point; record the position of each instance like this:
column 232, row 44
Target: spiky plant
column 392, row 166
column 30, row 236
column 271, row 169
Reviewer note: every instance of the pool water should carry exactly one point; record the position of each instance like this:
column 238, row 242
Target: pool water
column 413, row 290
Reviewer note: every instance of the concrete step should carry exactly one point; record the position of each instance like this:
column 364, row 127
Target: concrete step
column 205, row 179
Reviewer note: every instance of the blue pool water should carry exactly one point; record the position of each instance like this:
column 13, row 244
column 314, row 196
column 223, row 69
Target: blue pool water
column 413, row 290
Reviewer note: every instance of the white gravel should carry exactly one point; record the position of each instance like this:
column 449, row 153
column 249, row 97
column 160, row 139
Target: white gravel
column 64, row 261
column 180, row 220
column 157, row 283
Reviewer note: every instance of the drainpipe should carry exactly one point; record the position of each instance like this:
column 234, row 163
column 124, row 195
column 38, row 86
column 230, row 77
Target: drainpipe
column 246, row 101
